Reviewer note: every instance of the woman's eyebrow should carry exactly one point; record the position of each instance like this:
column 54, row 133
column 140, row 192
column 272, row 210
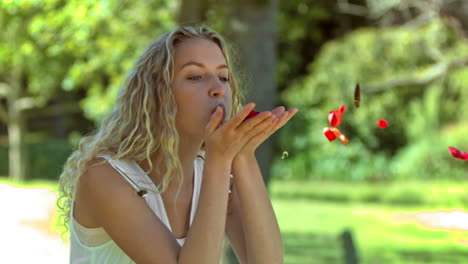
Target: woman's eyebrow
column 221, row 66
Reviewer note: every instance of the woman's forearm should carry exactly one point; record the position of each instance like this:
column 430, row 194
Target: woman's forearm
column 261, row 231
column 204, row 242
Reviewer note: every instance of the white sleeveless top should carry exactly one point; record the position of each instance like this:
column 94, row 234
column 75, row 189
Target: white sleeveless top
column 94, row 245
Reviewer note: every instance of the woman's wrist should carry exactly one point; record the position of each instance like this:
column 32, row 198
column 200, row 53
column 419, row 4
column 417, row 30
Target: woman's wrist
column 243, row 157
column 217, row 159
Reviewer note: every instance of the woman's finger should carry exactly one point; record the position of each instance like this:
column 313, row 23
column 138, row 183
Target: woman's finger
column 240, row 116
column 215, row 120
column 278, row 111
column 253, row 122
column 261, row 127
column 284, row 118
column 265, row 133
column 264, row 130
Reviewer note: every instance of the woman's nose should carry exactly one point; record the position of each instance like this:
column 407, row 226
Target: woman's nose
column 217, row 88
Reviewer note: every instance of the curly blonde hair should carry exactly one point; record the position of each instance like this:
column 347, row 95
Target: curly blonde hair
column 143, row 119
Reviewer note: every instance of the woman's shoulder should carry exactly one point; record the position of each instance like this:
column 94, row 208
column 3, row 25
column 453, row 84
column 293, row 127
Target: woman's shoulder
column 101, row 186
column 96, row 166
column 101, row 180
column 92, row 185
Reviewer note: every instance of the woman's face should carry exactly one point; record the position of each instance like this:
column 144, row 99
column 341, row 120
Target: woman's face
column 200, row 83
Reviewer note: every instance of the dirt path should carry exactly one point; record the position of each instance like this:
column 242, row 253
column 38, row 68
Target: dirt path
column 454, row 220
column 451, row 220
column 26, row 234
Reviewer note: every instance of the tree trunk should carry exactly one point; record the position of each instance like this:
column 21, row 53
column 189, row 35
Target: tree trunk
column 192, row 12
column 457, row 10
column 252, row 30
column 16, row 129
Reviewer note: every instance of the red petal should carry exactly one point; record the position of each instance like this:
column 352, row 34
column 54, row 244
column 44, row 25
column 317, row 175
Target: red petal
column 344, row 139
column 458, row 154
column 251, row 114
column 342, row 109
column 336, row 131
column 455, row 152
column 334, row 118
column 340, row 135
column 329, row 134
column 464, row 156
column 338, row 121
column 382, row 123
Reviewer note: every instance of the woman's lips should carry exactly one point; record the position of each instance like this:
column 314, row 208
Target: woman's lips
column 250, row 115
column 216, row 107
column 224, row 111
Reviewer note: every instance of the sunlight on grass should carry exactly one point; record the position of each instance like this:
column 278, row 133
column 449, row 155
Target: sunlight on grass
column 383, row 232
column 52, row 226
column 51, row 185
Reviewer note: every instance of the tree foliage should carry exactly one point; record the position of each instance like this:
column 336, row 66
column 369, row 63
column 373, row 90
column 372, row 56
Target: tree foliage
column 411, row 76
column 75, row 44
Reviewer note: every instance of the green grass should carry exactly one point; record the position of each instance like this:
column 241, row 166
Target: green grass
column 311, row 222
column 397, row 193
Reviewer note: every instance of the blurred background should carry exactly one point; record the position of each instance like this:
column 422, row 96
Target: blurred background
column 393, row 195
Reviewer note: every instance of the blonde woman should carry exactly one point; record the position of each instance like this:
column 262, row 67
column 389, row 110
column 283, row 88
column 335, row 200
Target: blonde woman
column 137, row 191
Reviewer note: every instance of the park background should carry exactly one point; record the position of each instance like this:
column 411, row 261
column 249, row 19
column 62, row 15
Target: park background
column 396, row 192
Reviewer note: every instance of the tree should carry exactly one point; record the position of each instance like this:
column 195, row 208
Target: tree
column 19, row 73
column 51, row 46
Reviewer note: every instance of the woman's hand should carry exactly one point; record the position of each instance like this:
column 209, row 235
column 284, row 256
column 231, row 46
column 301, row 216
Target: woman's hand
column 281, row 118
column 225, row 140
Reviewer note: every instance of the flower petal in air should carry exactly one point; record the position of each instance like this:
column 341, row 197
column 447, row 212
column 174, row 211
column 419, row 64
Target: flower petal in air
column 344, row 140
column 458, row 154
column 455, row 152
column 329, row 134
column 342, row 109
column 382, row 123
column 334, row 118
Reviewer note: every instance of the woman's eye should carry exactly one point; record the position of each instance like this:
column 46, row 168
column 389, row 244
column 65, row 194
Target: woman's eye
column 224, row 79
column 195, row 77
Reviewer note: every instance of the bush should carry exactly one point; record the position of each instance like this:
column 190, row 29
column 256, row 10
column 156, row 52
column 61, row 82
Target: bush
column 399, row 82
column 429, row 158
column 46, row 159
column 333, row 161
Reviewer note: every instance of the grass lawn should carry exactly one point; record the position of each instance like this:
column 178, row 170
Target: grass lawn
column 311, row 224
column 312, row 215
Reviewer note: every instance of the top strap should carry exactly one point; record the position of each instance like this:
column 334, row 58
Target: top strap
column 122, row 169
